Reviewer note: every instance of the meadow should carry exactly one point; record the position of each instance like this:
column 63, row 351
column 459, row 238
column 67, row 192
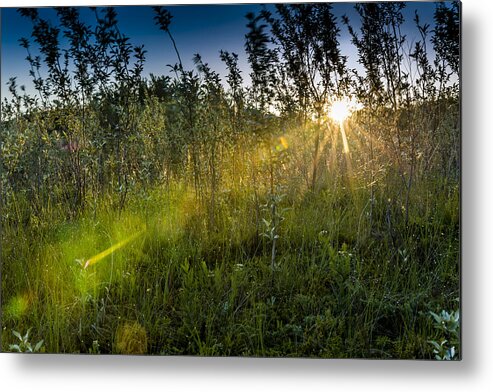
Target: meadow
column 312, row 213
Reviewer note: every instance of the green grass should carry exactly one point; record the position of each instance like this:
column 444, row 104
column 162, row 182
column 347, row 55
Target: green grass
column 339, row 288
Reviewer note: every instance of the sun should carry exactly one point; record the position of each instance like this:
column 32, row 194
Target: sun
column 339, row 111
column 342, row 109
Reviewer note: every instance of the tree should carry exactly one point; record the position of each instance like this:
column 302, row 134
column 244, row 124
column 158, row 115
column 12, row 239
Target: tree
column 263, row 61
column 307, row 37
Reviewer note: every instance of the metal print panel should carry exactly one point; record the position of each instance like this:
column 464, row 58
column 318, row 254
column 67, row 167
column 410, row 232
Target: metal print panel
column 275, row 180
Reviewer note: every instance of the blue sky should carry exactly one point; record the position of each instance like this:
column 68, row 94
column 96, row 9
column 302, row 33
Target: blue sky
column 203, row 29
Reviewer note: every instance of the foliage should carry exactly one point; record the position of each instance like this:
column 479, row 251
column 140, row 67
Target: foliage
column 131, row 338
column 24, row 346
column 448, row 326
column 264, row 234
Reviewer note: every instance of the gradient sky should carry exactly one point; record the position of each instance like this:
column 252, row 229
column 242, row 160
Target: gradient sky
column 203, row 29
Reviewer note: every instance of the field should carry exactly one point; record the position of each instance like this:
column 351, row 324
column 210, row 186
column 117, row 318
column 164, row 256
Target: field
column 312, row 213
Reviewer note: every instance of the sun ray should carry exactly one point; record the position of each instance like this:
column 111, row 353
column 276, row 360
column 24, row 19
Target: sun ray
column 367, row 135
column 344, row 138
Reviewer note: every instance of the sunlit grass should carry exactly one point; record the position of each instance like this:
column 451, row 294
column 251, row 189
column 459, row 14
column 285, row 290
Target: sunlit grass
column 186, row 288
column 16, row 307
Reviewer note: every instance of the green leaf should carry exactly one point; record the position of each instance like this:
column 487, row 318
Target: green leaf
column 15, row 347
column 456, row 316
column 437, row 318
column 17, row 334
column 38, row 345
column 435, row 344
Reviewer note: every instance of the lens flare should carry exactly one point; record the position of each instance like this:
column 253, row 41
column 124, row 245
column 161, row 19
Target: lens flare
column 112, row 249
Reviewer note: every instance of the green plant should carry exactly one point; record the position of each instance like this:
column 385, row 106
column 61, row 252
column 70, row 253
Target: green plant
column 448, row 324
column 24, row 346
column 95, row 349
column 272, row 224
column 131, row 338
column 371, row 237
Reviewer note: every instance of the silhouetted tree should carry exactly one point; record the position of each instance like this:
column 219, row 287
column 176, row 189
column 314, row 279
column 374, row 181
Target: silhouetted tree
column 263, row 61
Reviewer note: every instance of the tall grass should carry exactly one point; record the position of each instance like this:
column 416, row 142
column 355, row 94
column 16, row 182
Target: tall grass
column 177, row 215
column 339, row 288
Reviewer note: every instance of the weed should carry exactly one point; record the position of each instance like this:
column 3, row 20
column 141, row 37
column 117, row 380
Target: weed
column 24, row 346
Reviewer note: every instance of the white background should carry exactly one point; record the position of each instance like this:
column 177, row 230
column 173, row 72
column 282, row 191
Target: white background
column 474, row 373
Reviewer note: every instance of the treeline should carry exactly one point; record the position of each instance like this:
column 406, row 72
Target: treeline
column 98, row 128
